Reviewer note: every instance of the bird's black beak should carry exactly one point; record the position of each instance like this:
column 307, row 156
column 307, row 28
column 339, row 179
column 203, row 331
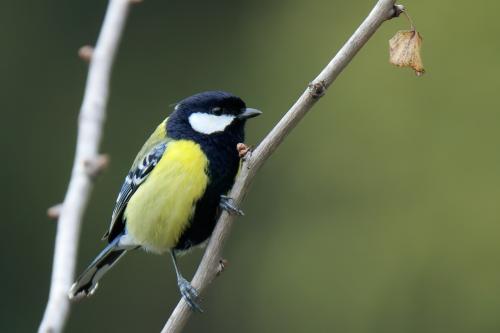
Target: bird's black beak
column 249, row 113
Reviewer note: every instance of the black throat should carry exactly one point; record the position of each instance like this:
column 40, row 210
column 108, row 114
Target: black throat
column 220, row 148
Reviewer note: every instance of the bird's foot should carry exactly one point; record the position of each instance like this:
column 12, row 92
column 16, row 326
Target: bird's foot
column 227, row 203
column 189, row 293
column 243, row 150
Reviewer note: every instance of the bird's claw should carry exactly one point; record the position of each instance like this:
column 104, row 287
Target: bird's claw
column 243, row 150
column 190, row 294
column 227, row 203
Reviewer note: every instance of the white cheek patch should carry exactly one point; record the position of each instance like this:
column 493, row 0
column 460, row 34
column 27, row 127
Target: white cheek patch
column 209, row 123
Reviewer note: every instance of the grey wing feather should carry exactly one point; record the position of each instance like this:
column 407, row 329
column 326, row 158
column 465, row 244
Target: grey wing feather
column 134, row 179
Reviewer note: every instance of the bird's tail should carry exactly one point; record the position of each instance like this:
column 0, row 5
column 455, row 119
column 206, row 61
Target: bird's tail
column 87, row 283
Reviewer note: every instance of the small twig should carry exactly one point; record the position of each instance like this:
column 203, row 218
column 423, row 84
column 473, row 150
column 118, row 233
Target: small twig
column 90, row 124
column 222, row 266
column 412, row 26
column 208, row 268
column 85, row 53
column 54, row 212
column 95, row 166
column 317, row 89
column 398, row 9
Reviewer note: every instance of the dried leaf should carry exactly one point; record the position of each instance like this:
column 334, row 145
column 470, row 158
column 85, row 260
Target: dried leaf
column 405, row 50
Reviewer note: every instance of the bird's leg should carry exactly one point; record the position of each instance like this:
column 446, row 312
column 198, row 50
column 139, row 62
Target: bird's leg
column 227, row 203
column 189, row 293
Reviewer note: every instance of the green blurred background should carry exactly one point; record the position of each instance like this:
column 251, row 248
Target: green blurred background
column 378, row 214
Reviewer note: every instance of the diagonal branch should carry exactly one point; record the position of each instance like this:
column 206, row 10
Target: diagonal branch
column 90, row 124
column 208, row 268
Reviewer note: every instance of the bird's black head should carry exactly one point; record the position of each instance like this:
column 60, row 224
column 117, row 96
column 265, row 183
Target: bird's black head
column 211, row 115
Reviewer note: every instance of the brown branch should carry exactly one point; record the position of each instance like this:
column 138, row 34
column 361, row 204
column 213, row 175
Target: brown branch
column 209, row 266
column 87, row 164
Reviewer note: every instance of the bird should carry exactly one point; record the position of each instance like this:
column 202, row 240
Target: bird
column 176, row 187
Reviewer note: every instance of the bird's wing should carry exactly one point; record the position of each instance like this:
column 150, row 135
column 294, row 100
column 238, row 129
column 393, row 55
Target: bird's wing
column 144, row 163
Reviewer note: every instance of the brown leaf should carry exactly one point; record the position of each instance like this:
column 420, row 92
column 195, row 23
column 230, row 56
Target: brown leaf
column 405, row 50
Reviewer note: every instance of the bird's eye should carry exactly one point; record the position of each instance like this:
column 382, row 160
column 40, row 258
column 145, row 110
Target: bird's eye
column 217, row 110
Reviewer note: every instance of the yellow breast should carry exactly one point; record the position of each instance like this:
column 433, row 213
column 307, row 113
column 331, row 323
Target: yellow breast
column 161, row 207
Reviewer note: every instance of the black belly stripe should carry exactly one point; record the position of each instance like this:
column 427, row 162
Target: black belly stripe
column 222, row 169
